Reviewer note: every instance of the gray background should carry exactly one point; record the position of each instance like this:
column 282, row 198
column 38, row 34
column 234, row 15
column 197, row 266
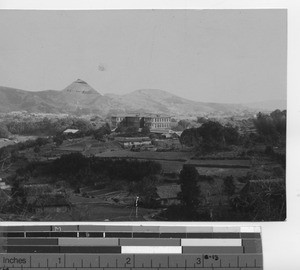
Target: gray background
column 231, row 56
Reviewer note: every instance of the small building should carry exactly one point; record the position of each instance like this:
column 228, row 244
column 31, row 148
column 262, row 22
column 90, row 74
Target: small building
column 116, row 120
column 4, row 186
column 175, row 133
column 168, row 194
column 37, row 189
column 51, row 203
column 128, row 142
column 70, row 131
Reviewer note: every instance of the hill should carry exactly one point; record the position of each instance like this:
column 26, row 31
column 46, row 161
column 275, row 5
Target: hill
column 268, row 105
column 80, row 98
column 77, row 98
column 159, row 101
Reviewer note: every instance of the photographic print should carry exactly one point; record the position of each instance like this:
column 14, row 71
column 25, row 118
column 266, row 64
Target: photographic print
column 143, row 115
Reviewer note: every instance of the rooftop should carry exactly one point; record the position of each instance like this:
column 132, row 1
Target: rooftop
column 69, row 130
column 141, row 115
column 168, row 191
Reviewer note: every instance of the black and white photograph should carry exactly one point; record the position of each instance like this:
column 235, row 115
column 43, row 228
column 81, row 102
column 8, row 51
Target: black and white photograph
column 143, row 115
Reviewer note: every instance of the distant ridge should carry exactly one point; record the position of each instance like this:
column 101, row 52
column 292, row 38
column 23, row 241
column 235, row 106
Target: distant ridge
column 81, row 99
column 268, row 105
column 160, row 101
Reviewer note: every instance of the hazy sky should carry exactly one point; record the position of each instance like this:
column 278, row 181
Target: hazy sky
column 206, row 55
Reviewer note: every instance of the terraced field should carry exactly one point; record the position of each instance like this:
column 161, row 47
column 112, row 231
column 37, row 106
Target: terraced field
column 150, row 155
column 221, row 163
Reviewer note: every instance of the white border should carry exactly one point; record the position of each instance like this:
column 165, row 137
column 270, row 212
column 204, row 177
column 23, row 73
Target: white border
column 280, row 239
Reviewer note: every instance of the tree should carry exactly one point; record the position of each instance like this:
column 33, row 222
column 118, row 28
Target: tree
column 201, row 120
column 271, row 128
column 41, row 141
column 190, row 191
column 3, row 131
column 189, row 137
column 37, row 149
column 145, row 131
column 228, row 185
column 102, row 131
column 83, row 125
column 212, row 134
column 261, row 200
column 279, row 119
column 58, row 139
column 18, row 191
column 147, row 191
column 231, row 135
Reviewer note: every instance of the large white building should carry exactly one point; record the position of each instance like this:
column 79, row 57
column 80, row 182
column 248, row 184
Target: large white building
column 152, row 121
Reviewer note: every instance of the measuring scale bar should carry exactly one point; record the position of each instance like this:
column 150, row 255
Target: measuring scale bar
column 130, row 261
column 134, row 247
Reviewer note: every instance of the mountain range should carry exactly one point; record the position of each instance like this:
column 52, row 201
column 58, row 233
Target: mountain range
column 80, row 98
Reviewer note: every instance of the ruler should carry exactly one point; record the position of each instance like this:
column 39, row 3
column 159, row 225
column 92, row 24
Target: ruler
column 135, row 247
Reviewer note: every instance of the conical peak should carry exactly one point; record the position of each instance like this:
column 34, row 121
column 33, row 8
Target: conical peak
column 80, row 81
column 80, row 86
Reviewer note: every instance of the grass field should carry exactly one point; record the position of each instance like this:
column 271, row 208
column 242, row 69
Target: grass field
column 15, row 139
column 245, row 163
column 222, row 172
column 89, row 146
column 176, row 156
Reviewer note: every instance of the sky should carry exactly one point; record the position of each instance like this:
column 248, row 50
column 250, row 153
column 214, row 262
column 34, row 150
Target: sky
column 227, row 56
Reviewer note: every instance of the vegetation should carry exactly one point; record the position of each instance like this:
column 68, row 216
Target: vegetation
column 182, row 125
column 272, row 127
column 101, row 132
column 4, row 133
column 261, row 201
column 78, row 170
column 147, row 192
column 228, row 186
column 46, row 126
column 11, row 151
column 190, row 191
column 190, row 207
column 210, row 136
column 228, row 157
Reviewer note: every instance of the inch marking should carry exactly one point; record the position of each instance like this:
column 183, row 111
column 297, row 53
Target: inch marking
column 54, row 261
column 133, row 260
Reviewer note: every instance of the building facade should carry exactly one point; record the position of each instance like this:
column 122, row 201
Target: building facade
column 116, row 120
column 153, row 122
column 157, row 122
